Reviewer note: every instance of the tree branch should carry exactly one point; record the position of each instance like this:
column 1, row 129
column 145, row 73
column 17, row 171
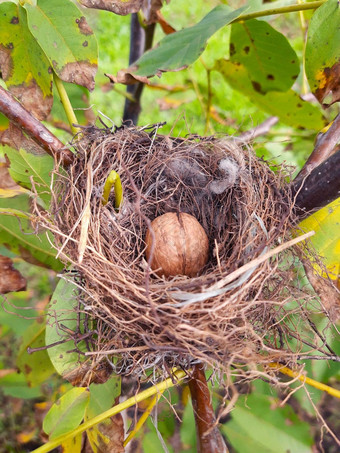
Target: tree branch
column 140, row 41
column 24, row 120
column 324, row 148
column 320, row 187
column 261, row 129
column 209, row 438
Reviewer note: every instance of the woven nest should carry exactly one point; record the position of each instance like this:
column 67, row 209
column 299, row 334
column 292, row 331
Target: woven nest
column 220, row 317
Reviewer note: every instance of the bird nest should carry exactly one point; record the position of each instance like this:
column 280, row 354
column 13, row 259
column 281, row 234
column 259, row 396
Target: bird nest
column 245, row 305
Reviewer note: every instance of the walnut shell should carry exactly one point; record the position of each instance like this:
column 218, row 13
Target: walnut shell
column 181, row 245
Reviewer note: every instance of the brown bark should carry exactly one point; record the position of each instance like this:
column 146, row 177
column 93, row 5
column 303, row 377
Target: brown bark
column 24, row 120
column 325, row 146
column 209, row 438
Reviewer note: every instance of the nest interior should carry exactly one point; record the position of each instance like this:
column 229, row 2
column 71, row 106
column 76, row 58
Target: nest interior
column 220, row 317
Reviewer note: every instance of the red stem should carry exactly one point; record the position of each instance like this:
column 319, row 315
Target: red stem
column 209, row 438
column 23, row 119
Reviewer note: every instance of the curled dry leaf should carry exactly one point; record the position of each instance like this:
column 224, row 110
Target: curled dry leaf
column 8, row 188
column 121, row 7
column 10, row 278
column 126, row 77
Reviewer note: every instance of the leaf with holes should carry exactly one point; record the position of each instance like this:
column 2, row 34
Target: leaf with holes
column 66, row 38
column 178, row 50
column 271, row 62
column 322, row 56
column 25, row 167
column 67, row 413
column 24, row 67
column 19, row 235
column 288, row 106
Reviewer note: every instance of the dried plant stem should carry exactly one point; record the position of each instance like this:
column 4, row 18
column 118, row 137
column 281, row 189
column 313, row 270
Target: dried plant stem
column 209, row 438
column 143, row 418
column 72, row 119
column 294, row 374
column 24, row 120
column 156, row 389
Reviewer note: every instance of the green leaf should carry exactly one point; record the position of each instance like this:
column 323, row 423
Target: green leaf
column 19, row 236
column 24, row 66
column 61, row 322
column 67, row 413
column 258, row 426
column 182, row 48
column 37, row 367
column 271, row 62
column 25, row 166
column 322, row 56
column 102, row 398
column 326, row 240
column 288, row 106
column 15, row 385
column 66, row 38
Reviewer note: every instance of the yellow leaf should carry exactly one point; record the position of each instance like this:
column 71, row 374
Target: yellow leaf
column 326, row 241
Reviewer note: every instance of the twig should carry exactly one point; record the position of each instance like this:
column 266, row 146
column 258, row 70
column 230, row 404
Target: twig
column 143, row 418
column 324, row 148
column 279, row 10
column 155, row 389
column 23, row 119
column 297, row 375
column 320, row 187
column 209, row 438
column 261, row 129
column 140, row 41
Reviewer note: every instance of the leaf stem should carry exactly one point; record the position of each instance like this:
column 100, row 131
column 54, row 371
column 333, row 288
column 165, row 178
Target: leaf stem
column 294, row 374
column 155, row 389
column 71, row 117
column 143, row 418
column 279, row 10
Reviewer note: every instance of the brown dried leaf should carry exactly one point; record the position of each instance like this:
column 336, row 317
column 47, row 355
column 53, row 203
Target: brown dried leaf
column 150, row 10
column 166, row 27
column 14, row 137
column 8, row 188
column 121, row 7
column 329, row 84
column 79, row 72
column 32, row 98
column 113, row 433
column 10, row 278
column 126, row 77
